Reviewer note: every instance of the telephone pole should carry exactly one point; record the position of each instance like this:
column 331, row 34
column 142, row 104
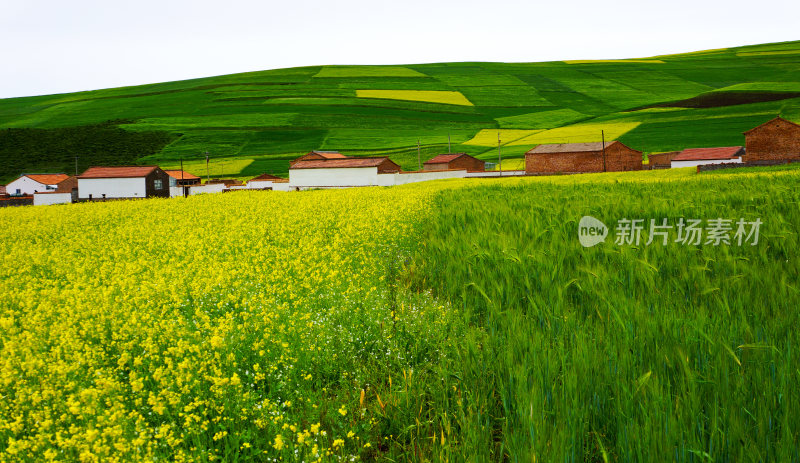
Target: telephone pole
column 603, row 135
column 419, row 156
column 208, row 176
column 76, row 166
column 499, row 156
column 449, row 151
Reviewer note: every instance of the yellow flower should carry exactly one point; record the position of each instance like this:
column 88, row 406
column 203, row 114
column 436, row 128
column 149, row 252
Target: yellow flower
column 343, row 411
column 278, row 444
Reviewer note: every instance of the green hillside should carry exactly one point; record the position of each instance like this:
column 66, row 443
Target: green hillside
column 254, row 122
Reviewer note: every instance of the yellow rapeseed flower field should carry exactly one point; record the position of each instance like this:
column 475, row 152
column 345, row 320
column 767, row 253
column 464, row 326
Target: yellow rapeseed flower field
column 216, row 327
column 428, row 96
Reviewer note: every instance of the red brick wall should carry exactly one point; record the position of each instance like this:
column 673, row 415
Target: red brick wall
column 774, row 141
column 464, row 162
column 661, row 160
column 469, row 163
column 621, row 158
column 388, row 167
column 618, row 158
column 557, row 163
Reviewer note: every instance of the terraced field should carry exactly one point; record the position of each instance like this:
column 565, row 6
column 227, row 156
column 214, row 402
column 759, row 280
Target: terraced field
column 257, row 121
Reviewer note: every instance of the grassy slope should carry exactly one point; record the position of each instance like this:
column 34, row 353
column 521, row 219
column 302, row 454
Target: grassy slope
column 264, row 118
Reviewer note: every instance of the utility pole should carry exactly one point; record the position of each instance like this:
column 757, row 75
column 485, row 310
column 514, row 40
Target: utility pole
column 183, row 187
column 499, row 156
column 419, row 156
column 76, row 166
column 208, row 177
column 449, row 151
column 603, row 135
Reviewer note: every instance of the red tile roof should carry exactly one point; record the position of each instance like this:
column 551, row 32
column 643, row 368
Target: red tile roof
column 330, row 154
column 176, row 174
column 709, row 154
column 265, row 177
column 117, row 172
column 339, row 163
column 445, row 158
column 48, row 179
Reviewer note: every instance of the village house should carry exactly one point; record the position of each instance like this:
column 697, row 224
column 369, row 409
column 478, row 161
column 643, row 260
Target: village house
column 460, row 161
column 66, row 192
column 773, row 142
column 29, row 184
column 701, row 156
column 320, row 156
column 123, row 182
column 339, row 172
column 266, row 182
column 657, row 161
column 182, row 178
column 572, row 158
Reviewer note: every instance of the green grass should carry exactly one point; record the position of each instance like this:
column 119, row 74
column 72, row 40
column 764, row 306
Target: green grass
column 614, row 353
column 286, row 111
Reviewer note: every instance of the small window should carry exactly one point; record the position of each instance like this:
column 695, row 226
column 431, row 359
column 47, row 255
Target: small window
column 158, row 184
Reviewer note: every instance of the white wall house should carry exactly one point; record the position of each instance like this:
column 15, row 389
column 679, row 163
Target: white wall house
column 339, row 173
column 123, row 182
column 35, row 183
column 692, row 157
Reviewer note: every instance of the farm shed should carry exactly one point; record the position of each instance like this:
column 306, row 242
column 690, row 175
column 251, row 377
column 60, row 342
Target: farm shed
column 320, row 156
column 29, row 184
column 572, row 158
column 700, row 156
column 459, row 161
column 66, row 192
column 123, row 182
column 182, row 178
column 772, row 142
column 657, row 161
column 339, row 173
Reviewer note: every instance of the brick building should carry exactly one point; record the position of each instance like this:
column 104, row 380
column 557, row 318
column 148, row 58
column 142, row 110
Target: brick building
column 692, row 157
column 100, row 182
column 455, row 161
column 573, row 158
column 660, row 160
column 319, row 156
column 772, row 142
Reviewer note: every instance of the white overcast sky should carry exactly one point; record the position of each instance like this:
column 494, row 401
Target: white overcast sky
column 60, row 46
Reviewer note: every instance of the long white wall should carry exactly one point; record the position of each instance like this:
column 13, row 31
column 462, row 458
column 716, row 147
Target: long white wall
column 676, row 164
column 46, row 199
column 27, row 186
column 342, row 177
column 413, row 177
column 495, row 173
column 111, row 187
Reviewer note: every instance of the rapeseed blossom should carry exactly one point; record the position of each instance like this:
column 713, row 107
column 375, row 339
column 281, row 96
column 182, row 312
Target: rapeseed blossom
column 177, row 329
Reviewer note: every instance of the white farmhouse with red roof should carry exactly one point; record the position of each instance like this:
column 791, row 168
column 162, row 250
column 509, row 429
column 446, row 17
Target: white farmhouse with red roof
column 699, row 156
column 29, row 184
column 123, row 182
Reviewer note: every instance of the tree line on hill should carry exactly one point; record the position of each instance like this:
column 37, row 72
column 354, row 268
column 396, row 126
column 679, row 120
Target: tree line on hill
column 54, row 150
